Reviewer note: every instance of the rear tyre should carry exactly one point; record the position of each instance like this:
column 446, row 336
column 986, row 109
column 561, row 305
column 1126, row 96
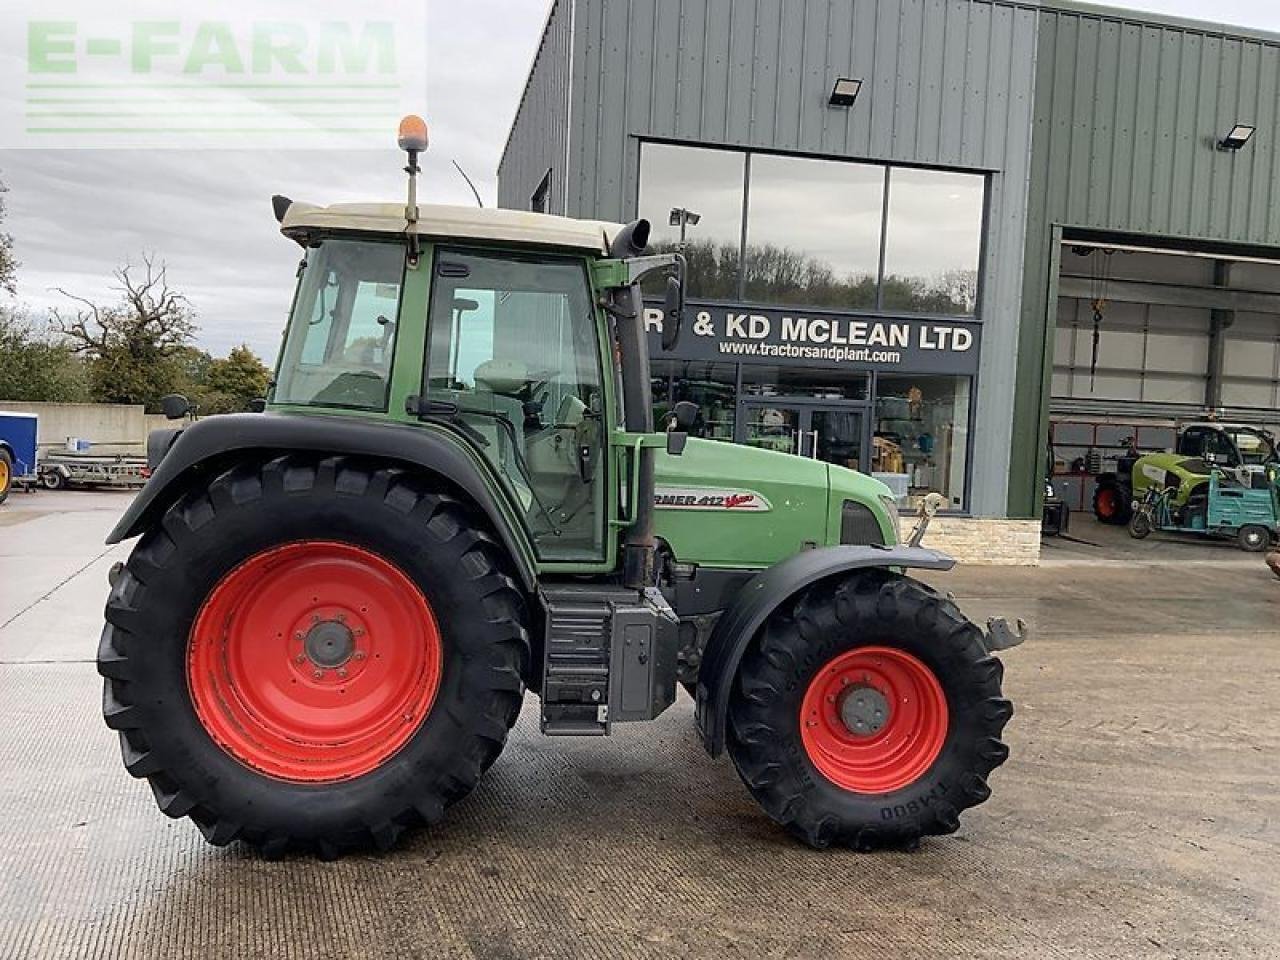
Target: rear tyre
column 6, row 475
column 53, row 480
column 1110, row 505
column 867, row 713
column 1254, row 538
column 1140, row 525
column 313, row 655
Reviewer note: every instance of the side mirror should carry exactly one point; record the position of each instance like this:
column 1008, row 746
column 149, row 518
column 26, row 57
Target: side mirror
column 679, row 422
column 175, row 406
column 257, row 405
column 672, row 313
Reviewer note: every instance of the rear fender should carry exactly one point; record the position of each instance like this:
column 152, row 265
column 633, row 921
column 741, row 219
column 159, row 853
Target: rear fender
column 210, row 445
column 764, row 594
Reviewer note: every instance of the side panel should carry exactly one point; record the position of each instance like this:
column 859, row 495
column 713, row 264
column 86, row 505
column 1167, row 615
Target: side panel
column 764, row 594
column 726, row 505
column 18, row 435
column 947, row 83
column 533, row 161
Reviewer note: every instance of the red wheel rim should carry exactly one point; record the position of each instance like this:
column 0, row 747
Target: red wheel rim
column 1106, row 503
column 314, row 661
column 873, row 720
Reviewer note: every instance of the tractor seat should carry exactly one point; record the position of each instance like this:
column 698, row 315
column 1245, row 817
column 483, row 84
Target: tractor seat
column 502, row 376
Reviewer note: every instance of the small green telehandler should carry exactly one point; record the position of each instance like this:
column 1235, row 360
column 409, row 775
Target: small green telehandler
column 455, row 494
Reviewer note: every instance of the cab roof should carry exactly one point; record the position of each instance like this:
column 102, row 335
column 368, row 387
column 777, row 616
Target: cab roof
column 442, row 222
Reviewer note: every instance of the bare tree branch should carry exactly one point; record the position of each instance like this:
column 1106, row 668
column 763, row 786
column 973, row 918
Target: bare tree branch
column 150, row 319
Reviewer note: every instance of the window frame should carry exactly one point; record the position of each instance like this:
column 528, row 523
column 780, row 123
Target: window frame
column 542, row 192
column 606, row 531
column 283, row 357
column 983, row 174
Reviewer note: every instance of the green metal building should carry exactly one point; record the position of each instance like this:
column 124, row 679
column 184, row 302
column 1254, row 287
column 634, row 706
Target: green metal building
column 923, row 231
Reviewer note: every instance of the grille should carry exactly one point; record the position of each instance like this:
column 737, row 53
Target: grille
column 858, row 525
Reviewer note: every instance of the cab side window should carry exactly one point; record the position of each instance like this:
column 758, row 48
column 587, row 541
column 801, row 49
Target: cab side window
column 513, row 346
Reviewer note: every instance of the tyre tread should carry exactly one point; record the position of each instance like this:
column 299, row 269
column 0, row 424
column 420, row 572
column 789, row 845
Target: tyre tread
column 442, row 518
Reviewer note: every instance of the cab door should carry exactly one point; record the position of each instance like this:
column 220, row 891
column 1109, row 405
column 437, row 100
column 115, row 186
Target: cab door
column 514, row 360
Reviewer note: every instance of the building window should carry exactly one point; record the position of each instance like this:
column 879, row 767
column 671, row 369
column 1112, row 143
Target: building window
column 701, row 191
column 933, row 238
column 813, row 383
column 816, row 234
column 540, row 202
column 921, row 437
column 813, row 232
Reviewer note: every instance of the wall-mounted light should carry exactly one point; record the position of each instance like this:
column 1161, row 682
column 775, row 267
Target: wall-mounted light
column 680, row 216
column 844, row 92
column 1240, row 135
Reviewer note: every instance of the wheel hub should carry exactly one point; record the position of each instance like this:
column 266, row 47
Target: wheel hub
column 329, row 644
column 314, row 661
column 864, row 711
column 873, row 719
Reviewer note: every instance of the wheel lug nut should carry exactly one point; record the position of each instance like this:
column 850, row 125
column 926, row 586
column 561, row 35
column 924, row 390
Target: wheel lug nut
column 358, row 655
column 315, row 618
column 342, row 618
column 359, row 632
column 300, row 658
column 319, row 674
column 342, row 672
column 298, row 635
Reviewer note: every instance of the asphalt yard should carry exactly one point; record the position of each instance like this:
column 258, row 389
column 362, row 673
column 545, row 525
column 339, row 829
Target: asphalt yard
column 1138, row 816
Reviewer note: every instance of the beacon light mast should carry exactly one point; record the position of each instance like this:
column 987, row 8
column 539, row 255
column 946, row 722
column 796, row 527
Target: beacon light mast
column 413, row 140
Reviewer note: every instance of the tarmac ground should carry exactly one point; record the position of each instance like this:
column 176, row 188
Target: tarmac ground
column 1138, row 816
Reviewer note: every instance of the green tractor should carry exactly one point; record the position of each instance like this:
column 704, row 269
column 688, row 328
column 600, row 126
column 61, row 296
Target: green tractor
column 1238, row 448
column 456, row 493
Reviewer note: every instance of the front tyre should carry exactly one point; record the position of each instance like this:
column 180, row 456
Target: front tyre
column 313, row 655
column 1140, row 525
column 868, row 713
column 1254, row 538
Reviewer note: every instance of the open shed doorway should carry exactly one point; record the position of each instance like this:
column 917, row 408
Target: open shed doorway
column 1150, row 338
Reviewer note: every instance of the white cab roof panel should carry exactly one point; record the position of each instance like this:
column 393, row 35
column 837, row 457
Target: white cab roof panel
column 448, row 222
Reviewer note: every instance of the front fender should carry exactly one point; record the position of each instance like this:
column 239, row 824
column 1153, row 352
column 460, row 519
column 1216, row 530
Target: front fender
column 213, row 444
column 764, row 594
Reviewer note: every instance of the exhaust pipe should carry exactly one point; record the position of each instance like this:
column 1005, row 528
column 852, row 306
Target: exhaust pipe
column 639, row 569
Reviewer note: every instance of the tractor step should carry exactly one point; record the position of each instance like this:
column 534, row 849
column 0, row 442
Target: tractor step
column 610, row 655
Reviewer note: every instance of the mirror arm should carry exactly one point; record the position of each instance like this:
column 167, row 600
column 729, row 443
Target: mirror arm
column 640, row 267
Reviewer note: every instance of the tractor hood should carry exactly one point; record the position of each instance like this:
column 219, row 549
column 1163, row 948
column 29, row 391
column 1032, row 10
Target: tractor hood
column 728, row 505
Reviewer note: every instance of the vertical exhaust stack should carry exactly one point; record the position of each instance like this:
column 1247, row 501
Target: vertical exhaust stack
column 638, row 566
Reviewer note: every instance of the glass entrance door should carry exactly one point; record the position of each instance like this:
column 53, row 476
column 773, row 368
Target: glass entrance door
column 836, row 435
column 771, row 426
column 832, row 432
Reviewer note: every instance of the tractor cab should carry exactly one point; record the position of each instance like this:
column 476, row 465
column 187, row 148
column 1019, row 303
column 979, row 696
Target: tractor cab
column 1228, row 445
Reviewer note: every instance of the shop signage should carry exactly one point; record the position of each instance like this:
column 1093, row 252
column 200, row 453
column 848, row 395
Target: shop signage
column 727, row 332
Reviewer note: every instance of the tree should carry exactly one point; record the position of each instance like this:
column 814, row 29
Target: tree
column 8, row 263
column 132, row 347
column 37, row 367
column 234, row 381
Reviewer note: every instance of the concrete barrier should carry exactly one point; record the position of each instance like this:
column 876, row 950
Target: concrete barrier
column 109, row 427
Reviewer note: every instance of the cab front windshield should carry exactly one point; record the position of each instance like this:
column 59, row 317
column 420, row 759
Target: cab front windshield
column 337, row 352
column 1256, row 448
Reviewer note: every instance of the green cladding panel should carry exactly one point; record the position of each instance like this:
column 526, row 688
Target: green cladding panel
column 1128, row 112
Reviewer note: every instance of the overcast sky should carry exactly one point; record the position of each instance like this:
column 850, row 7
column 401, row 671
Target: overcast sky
column 77, row 214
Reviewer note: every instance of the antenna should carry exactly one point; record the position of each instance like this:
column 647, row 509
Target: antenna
column 457, row 166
